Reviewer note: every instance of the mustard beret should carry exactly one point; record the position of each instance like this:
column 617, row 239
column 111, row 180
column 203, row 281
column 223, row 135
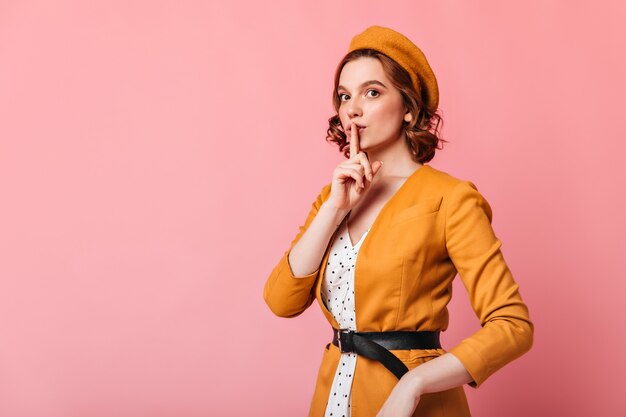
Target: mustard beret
column 399, row 48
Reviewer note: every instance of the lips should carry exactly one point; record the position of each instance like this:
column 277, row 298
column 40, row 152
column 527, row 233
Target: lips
column 360, row 130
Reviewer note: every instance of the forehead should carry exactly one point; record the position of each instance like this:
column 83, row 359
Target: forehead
column 362, row 69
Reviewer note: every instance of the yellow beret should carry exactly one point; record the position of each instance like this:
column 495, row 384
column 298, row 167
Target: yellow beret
column 399, row 48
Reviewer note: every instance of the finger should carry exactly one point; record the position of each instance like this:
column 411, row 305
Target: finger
column 354, row 140
column 365, row 162
column 356, row 164
column 376, row 166
column 354, row 173
column 358, row 177
column 358, row 167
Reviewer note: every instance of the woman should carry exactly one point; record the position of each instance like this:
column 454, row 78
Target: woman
column 412, row 228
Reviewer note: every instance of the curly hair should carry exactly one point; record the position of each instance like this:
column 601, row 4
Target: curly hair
column 422, row 132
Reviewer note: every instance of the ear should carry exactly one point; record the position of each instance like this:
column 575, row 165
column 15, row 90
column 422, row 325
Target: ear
column 408, row 117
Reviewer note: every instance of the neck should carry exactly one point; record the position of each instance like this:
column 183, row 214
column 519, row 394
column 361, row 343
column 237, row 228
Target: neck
column 396, row 158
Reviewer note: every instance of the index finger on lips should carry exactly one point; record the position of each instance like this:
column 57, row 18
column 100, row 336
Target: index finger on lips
column 354, row 140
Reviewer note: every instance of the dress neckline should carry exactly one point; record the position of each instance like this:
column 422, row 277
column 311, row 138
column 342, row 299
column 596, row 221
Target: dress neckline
column 348, row 234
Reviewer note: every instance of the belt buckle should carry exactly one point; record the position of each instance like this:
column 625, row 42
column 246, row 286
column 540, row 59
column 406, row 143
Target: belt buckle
column 349, row 345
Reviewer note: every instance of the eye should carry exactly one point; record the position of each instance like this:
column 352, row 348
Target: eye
column 376, row 93
column 343, row 97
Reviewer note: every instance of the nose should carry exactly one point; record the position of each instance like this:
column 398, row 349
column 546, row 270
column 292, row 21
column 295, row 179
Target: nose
column 354, row 109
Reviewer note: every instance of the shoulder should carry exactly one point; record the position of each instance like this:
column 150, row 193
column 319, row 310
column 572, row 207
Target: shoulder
column 440, row 180
column 455, row 190
column 446, row 183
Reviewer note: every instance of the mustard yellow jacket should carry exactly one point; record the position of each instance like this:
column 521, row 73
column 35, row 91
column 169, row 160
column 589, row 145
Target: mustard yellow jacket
column 434, row 226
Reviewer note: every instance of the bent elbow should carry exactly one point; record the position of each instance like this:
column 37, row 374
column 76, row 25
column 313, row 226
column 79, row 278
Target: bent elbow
column 521, row 336
column 287, row 314
column 280, row 308
column 528, row 337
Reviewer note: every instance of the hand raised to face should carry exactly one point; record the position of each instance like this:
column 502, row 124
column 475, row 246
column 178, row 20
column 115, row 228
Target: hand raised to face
column 353, row 176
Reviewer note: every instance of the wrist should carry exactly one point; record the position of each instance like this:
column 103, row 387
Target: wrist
column 333, row 212
column 416, row 384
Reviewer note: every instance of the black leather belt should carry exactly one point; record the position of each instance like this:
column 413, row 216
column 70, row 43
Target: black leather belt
column 376, row 345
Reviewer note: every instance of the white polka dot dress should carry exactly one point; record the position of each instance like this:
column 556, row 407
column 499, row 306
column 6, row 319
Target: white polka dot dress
column 338, row 295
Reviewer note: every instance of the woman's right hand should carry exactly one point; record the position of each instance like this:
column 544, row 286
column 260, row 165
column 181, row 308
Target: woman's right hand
column 352, row 177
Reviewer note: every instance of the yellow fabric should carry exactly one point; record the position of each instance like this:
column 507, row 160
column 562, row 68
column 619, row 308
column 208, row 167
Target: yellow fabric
column 399, row 48
column 434, row 226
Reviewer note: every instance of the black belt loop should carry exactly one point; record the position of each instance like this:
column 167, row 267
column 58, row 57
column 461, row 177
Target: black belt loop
column 376, row 345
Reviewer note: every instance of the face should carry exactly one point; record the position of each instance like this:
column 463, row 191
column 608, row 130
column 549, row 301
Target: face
column 368, row 99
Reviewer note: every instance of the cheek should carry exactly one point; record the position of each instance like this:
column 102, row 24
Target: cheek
column 387, row 114
column 395, row 111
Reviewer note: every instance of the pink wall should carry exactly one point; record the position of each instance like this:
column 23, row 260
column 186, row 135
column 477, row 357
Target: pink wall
column 156, row 158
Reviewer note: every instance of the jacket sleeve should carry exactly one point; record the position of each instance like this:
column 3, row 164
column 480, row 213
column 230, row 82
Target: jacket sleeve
column 285, row 294
column 507, row 331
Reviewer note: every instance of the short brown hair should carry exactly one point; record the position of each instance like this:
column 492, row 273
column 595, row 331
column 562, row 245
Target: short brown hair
column 422, row 132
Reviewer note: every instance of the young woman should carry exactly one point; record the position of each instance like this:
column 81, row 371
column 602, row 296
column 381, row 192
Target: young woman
column 412, row 228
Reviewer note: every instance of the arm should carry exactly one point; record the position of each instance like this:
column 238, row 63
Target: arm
column 287, row 290
column 440, row 374
column 507, row 331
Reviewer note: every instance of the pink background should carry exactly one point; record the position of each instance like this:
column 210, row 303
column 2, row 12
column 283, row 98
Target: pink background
column 157, row 157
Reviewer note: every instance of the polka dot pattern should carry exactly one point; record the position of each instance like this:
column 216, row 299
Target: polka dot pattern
column 338, row 295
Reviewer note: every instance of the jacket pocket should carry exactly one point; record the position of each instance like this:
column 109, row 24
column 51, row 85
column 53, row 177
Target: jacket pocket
column 415, row 357
column 430, row 205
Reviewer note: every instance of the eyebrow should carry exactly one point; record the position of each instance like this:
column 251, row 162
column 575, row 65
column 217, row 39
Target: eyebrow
column 341, row 87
